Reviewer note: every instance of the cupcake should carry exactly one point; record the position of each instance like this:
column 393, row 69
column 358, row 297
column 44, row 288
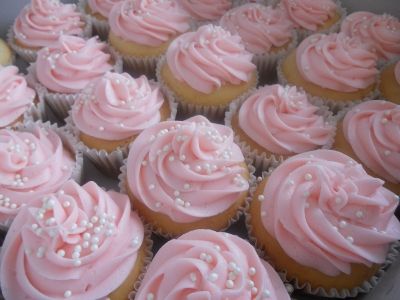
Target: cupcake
column 98, row 12
column 370, row 134
column 310, row 16
column 325, row 222
column 382, row 32
column 63, row 70
column 40, row 24
column 203, row 11
column 37, row 159
column 141, row 31
column 389, row 84
column 276, row 122
column 6, row 55
column 16, row 98
column 334, row 68
column 206, row 70
column 112, row 111
column 204, row 264
column 185, row 175
column 265, row 32
column 78, row 243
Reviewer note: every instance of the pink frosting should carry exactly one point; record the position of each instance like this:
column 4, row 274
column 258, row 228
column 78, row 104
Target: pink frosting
column 32, row 163
column 70, row 64
column 148, row 22
column 41, row 22
column 188, row 170
column 309, row 14
column 380, row 31
column 204, row 264
column 117, row 106
column 206, row 10
column 80, row 243
column 336, row 62
column 373, row 130
column 103, row 7
column 326, row 212
column 397, row 72
column 283, row 121
column 208, row 58
column 15, row 95
column 260, row 27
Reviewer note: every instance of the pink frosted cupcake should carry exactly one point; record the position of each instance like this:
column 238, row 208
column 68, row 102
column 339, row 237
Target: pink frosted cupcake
column 265, row 32
column 41, row 23
column 112, row 111
column 185, row 175
column 36, row 160
column 204, row 264
column 206, row 10
column 78, row 243
column 382, row 32
column 276, row 122
column 63, row 70
column 141, row 31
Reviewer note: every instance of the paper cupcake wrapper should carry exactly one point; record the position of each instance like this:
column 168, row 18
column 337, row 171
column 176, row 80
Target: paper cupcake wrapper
column 36, row 112
column 383, row 65
column 367, row 285
column 213, row 112
column 99, row 27
column 122, row 179
column 30, row 55
column 262, row 160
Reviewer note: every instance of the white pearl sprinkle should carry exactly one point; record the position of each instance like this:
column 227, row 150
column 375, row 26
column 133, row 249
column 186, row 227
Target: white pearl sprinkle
column 342, row 224
column 150, row 296
column 254, row 290
column 229, row 284
column 152, row 186
column 61, row 252
column 86, row 236
column 67, row 294
column 186, row 186
column 308, row 177
column 66, row 204
column 76, row 254
column 78, row 248
column 350, row 239
column 266, row 293
column 193, row 277
column 252, row 271
column 77, row 262
column 213, row 277
column 94, row 247
column 359, row 214
column 203, row 256
column 386, row 152
column 85, row 244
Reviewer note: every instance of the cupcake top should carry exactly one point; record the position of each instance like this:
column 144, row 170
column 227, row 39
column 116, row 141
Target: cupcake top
column 148, row 22
column 117, row 106
column 309, row 14
column 337, row 62
column 68, row 65
column 40, row 23
column 326, row 212
column 260, row 27
column 373, row 130
column 102, row 7
column 212, row 265
column 33, row 163
column 397, row 72
column 15, row 95
column 380, row 31
column 281, row 120
column 188, row 170
column 78, row 243
column 206, row 10
column 208, row 58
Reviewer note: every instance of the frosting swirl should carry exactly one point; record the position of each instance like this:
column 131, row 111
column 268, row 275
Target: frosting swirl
column 309, row 14
column 260, row 27
column 70, row 64
column 79, row 243
column 382, row 32
column 103, row 7
column 208, row 58
column 117, row 106
column 188, row 170
column 206, row 10
column 373, row 130
column 326, row 212
column 33, row 163
column 204, row 264
column 15, row 95
column 40, row 23
column 397, row 72
column 148, row 22
column 336, row 62
column 281, row 120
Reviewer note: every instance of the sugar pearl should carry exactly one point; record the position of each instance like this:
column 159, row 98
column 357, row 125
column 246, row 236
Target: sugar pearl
column 67, row 294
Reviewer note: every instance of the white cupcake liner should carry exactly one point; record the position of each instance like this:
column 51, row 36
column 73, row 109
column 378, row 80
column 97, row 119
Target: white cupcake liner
column 122, row 179
column 108, row 162
column 333, row 105
column 99, row 27
column 36, row 112
column 367, row 285
column 262, row 160
column 30, row 55
column 60, row 103
column 213, row 112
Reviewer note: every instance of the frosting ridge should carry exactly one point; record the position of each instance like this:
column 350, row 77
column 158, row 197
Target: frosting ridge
column 206, row 10
column 103, row 7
